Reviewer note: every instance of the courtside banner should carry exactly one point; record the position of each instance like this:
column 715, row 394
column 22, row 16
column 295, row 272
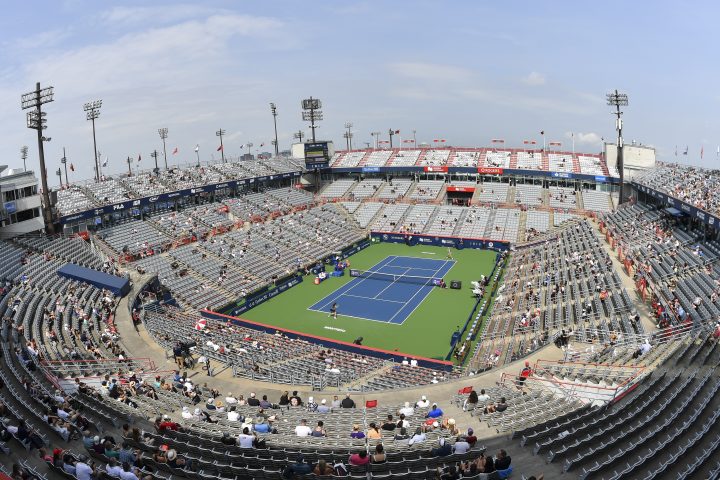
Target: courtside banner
column 440, row 241
column 490, row 171
column 455, row 188
column 436, row 169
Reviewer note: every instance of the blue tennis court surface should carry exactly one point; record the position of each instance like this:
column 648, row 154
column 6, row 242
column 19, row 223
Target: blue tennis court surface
column 386, row 300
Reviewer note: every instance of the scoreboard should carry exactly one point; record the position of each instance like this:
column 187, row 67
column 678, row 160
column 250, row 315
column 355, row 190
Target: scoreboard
column 317, row 154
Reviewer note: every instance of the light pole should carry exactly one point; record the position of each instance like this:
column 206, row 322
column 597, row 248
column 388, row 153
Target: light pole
column 92, row 110
column 23, row 155
column 273, row 109
column 36, row 120
column 299, row 135
column 58, row 172
column 63, row 160
column 129, row 167
column 249, row 145
column 163, row 132
column 414, row 139
column 312, row 113
column 220, row 133
column 197, row 152
column 391, row 132
column 617, row 100
column 348, row 135
column 377, row 136
column 154, row 154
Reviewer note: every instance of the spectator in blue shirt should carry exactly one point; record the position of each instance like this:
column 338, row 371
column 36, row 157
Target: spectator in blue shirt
column 435, row 412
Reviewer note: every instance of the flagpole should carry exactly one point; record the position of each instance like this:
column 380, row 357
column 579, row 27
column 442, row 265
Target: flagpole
column 572, row 134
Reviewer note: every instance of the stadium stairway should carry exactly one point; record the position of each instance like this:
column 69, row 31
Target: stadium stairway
column 642, row 308
column 580, row 201
column 511, row 195
column 522, row 223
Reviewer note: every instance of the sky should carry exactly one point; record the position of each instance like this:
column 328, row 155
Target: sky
column 464, row 71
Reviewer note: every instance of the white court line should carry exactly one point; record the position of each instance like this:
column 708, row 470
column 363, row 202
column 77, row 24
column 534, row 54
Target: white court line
column 348, row 290
column 391, row 283
column 373, row 298
column 419, row 290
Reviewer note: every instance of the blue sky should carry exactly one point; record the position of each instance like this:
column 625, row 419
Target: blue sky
column 466, row 71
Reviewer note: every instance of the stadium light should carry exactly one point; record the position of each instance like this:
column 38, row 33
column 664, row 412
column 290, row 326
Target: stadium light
column 617, row 100
column 273, row 110
column 391, row 132
column 36, row 120
column 63, row 160
column 92, row 110
column 163, row 132
column 299, row 135
column 249, row 145
column 220, row 134
column 312, row 113
column 197, row 152
column 24, row 155
column 377, row 136
column 348, row 135
column 154, row 155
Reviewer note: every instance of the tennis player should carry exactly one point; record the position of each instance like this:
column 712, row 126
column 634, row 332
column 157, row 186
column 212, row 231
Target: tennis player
column 449, row 255
column 333, row 311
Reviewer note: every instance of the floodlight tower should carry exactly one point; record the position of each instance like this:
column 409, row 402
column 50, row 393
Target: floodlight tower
column 23, row 155
column 36, row 120
column 273, row 110
column 348, row 135
column 163, row 132
column 312, row 113
column 197, row 152
column 92, row 109
column 377, row 136
column 391, row 132
column 220, row 134
column 63, row 160
column 299, row 135
column 617, row 100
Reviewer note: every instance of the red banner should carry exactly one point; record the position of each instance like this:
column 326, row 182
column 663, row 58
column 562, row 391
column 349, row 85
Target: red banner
column 490, row 170
column 455, row 188
column 437, row 169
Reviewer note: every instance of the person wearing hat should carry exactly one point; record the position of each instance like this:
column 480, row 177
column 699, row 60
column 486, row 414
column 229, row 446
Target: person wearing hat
column 323, row 407
column 443, row 449
column 311, row 405
column 423, row 402
column 210, row 405
column 253, row 401
column 97, row 446
column 470, row 437
column 176, row 461
column 450, row 426
column 83, row 469
column 407, row 410
column 260, row 425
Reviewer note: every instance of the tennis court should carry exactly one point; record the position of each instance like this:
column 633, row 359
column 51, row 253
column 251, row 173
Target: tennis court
column 387, row 292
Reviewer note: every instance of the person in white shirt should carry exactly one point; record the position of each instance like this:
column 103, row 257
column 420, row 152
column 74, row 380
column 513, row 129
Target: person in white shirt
column 230, row 399
column 418, row 437
column 407, row 410
column 233, row 415
column 423, row 402
column 83, row 471
column 413, row 362
column 303, row 430
column 245, row 440
column 483, row 397
column 186, row 414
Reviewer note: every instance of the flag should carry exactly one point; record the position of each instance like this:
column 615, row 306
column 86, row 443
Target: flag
column 498, row 140
column 175, row 151
column 686, row 150
column 542, row 132
column 220, row 148
column 529, row 142
column 407, row 141
column 197, row 148
column 702, row 151
column 262, row 144
column 139, row 158
column 555, row 144
column 397, row 132
column 676, row 150
column 242, row 146
column 200, row 324
column 105, row 162
column 72, row 167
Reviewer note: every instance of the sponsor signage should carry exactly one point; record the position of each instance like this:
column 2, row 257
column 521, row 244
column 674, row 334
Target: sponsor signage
column 460, row 243
column 562, row 175
column 436, row 169
column 455, row 188
column 490, row 171
column 264, row 296
column 370, row 169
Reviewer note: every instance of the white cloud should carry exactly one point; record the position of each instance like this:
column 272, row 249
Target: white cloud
column 590, row 138
column 429, row 71
column 534, row 79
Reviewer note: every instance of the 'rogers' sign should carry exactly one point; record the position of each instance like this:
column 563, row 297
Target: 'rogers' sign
column 490, row 170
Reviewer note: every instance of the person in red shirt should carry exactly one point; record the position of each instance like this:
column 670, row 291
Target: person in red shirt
column 166, row 423
column 359, row 458
column 524, row 374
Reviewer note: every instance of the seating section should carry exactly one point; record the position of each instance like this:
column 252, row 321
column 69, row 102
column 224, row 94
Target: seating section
column 427, row 190
column 562, row 197
column 405, row 158
column 436, row 158
column 596, row 201
column 591, row 165
column 395, row 189
column 338, row 188
column 366, row 188
column 493, row 192
column 527, row 194
column 497, row 159
column 560, row 162
column 529, row 160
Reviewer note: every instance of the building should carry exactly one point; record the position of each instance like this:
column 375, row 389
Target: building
column 20, row 211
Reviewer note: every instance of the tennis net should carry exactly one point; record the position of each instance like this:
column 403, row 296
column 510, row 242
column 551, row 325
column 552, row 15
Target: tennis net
column 389, row 277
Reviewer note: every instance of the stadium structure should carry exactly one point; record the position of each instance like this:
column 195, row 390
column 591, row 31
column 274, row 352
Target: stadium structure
column 453, row 305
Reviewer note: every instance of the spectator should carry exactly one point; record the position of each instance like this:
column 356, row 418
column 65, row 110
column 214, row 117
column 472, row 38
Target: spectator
column 443, row 450
column 379, row 455
column 322, row 468
column 264, row 403
column 461, row 445
column 127, row 473
column 374, row 432
column 113, row 468
column 252, row 401
column 347, row 402
column 423, row 402
column 407, row 410
column 319, row 430
column 295, row 400
column 389, row 424
column 323, row 408
column 303, row 430
column 500, row 407
column 298, row 468
column 360, row 458
column 502, row 460
column 245, row 439
column 435, row 412
column 284, row 399
column 471, row 402
column 524, row 374
column 418, row 437
column 356, row 432
column 311, row 405
column 470, row 437
column 83, row 469
column 336, row 403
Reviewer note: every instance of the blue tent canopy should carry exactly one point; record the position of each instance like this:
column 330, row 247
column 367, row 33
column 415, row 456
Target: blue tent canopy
column 117, row 285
